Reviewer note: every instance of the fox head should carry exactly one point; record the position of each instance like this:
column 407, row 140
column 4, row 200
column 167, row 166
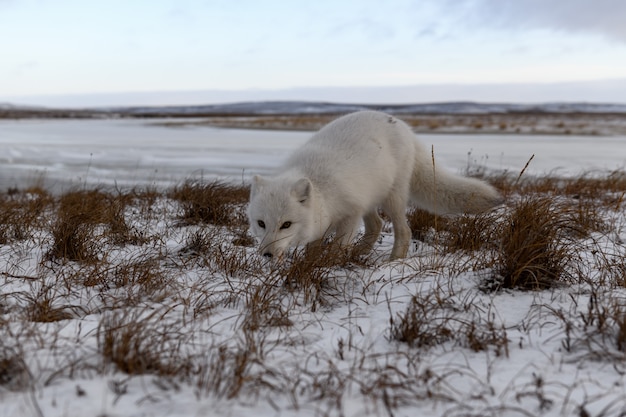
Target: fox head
column 280, row 214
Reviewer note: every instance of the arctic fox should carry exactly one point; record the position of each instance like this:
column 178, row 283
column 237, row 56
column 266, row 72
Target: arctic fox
column 354, row 166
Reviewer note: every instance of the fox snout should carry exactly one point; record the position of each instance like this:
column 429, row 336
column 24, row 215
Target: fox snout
column 271, row 251
column 272, row 254
column 266, row 252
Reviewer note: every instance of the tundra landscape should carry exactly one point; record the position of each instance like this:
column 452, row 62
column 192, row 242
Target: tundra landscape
column 130, row 285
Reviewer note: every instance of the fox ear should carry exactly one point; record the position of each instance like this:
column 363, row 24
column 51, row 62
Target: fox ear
column 257, row 182
column 301, row 189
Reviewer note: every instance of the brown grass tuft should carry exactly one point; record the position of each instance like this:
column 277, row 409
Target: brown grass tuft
column 215, row 250
column 74, row 227
column 473, row 232
column 536, row 247
column 214, row 203
column 436, row 318
column 310, row 271
column 264, row 305
column 87, row 218
column 422, row 325
column 422, row 223
column 226, row 371
column 43, row 307
column 21, row 212
column 138, row 343
column 145, row 275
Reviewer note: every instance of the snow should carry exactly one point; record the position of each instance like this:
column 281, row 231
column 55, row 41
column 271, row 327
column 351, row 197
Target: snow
column 336, row 360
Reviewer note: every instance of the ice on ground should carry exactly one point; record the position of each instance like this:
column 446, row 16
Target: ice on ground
column 138, row 152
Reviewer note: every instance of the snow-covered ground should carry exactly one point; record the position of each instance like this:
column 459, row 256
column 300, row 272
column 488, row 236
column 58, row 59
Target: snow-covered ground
column 544, row 353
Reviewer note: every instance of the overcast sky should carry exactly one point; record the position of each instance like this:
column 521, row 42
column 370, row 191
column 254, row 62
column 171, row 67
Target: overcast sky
column 274, row 49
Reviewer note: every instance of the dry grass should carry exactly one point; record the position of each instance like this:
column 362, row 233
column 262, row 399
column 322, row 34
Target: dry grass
column 42, row 308
column 85, row 219
column 138, row 343
column 214, row 203
column 595, row 327
column 423, row 223
column 21, row 212
column 536, row 247
column 438, row 318
column 534, row 239
column 309, row 272
column 591, row 188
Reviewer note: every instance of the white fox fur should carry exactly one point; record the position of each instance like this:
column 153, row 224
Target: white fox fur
column 354, row 166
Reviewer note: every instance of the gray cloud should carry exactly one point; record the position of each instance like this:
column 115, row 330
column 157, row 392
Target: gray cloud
column 603, row 17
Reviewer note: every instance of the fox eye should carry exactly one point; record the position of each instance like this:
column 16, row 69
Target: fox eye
column 285, row 225
column 261, row 224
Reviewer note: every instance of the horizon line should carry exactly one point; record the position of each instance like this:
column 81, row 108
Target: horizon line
column 605, row 91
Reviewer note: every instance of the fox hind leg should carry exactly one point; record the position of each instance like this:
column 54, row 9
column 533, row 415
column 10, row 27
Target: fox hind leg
column 395, row 208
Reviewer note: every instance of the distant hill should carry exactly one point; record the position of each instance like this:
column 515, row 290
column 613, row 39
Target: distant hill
column 303, row 107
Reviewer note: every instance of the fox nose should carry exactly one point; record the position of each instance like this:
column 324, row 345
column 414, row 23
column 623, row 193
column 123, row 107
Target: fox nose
column 268, row 255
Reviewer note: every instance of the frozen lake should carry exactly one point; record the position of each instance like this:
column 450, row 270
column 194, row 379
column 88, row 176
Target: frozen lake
column 67, row 153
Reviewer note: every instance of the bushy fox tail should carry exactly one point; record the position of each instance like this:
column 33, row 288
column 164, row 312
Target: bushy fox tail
column 439, row 191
